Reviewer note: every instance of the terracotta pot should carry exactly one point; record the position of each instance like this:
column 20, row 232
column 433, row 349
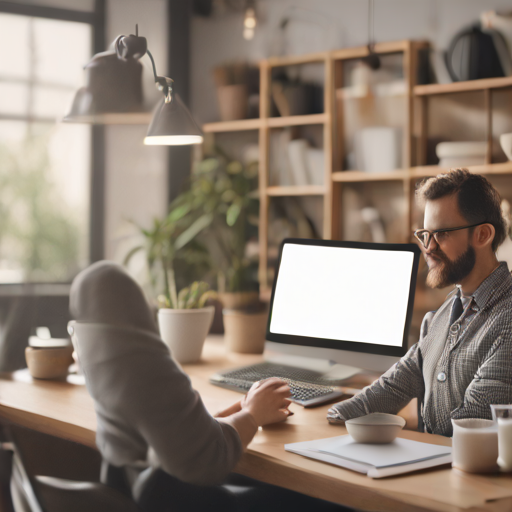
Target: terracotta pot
column 233, row 102
column 245, row 332
column 238, row 300
column 184, row 331
column 49, row 363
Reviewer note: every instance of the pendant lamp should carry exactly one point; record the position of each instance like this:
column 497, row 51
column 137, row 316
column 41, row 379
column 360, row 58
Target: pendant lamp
column 113, row 95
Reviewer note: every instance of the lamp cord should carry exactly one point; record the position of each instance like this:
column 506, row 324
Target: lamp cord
column 153, row 64
column 371, row 26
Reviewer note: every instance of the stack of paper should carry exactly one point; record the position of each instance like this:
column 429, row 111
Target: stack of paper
column 375, row 460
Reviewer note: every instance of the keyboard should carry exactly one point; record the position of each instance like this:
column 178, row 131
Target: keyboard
column 307, row 387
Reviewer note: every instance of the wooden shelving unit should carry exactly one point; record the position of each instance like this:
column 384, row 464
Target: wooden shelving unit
column 284, row 122
column 232, row 126
column 423, row 171
column 434, row 170
column 304, row 190
column 472, row 85
column 485, row 86
column 361, row 176
column 271, row 122
column 417, row 102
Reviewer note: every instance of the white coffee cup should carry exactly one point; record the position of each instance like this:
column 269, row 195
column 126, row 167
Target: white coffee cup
column 502, row 415
column 505, row 443
column 475, row 445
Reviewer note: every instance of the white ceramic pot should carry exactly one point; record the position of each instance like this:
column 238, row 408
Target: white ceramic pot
column 184, row 331
column 506, row 144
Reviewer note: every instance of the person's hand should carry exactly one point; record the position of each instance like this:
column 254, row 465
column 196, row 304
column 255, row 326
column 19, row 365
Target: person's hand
column 232, row 409
column 334, row 418
column 267, row 401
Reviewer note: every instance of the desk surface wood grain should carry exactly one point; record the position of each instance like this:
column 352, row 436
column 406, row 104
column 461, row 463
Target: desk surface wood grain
column 65, row 409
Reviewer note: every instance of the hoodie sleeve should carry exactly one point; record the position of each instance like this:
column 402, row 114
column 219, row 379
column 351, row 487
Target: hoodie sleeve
column 156, row 398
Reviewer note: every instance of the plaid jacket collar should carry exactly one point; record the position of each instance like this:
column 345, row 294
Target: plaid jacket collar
column 497, row 280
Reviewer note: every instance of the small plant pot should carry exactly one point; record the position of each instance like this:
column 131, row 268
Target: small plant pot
column 245, row 332
column 49, row 363
column 184, row 331
column 233, row 102
column 238, row 300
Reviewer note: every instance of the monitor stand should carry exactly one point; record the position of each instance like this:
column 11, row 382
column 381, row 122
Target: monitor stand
column 329, row 369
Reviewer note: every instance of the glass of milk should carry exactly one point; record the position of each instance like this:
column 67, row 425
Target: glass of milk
column 502, row 414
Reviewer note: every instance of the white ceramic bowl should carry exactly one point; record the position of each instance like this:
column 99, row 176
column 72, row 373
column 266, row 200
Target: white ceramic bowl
column 506, row 144
column 375, row 428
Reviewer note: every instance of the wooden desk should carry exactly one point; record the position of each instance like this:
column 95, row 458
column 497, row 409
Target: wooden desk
column 65, row 409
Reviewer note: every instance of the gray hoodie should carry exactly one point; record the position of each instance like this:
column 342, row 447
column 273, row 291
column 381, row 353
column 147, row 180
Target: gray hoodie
column 146, row 408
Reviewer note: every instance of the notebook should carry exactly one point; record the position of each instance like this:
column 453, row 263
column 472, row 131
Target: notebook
column 375, row 460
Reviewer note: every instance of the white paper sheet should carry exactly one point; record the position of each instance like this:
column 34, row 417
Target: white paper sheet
column 401, row 456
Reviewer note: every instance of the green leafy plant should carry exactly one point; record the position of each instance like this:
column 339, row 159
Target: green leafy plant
column 40, row 232
column 191, row 297
column 221, row 207
column 168, row 243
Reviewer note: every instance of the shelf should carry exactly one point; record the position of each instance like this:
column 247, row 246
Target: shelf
column 296, row 190
column 470, row 85
column 233, row 126
column 291, row 60
column 256, row 124
column 278, row 122
column 381, row 48
column 397, row 88
column 360, row 176
column 415, row 173
column 434, row 170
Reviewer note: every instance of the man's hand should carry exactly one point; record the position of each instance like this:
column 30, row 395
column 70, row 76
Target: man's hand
column 267, row 401
column 333, row 416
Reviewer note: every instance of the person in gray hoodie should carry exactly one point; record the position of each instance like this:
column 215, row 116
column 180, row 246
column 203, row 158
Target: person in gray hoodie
column 148, row 414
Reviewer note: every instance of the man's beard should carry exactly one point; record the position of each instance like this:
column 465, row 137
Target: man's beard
column 448, row 272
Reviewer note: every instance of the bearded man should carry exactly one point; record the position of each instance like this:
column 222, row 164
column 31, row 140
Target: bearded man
column 463, row 360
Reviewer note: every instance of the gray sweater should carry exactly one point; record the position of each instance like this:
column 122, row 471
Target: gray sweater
column 146, row 408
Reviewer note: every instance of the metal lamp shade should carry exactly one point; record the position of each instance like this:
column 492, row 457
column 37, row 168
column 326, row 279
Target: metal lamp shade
column 173, row 125
column 112, row 94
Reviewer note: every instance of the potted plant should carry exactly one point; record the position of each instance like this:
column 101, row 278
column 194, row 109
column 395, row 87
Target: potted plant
column 183, row 317
column 222, row 203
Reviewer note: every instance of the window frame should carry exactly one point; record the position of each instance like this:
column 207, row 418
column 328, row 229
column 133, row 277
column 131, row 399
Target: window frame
column 96, row 19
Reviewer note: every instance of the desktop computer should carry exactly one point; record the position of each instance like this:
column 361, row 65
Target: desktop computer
column 336, row 308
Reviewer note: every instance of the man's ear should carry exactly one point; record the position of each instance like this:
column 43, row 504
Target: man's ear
column 484, row 235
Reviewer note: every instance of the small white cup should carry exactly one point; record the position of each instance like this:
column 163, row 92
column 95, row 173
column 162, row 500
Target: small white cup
column 502, row 414
column 475, row 445
column 505, row 443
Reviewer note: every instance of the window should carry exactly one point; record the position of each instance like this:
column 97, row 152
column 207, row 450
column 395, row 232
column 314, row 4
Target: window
column 45, row 165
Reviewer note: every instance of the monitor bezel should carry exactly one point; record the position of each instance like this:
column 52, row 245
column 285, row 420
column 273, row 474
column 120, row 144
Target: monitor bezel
column 352, row 346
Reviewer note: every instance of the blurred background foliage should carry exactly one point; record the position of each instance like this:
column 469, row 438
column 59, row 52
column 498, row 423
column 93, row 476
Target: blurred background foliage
column 39, row 234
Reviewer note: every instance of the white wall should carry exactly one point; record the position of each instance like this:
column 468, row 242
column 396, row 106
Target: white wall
column 135, row 175
column 322, row 25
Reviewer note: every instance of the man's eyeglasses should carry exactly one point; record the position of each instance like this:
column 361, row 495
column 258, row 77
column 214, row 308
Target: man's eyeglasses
column 425, row 236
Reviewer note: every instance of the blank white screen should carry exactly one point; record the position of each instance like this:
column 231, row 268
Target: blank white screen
column 345, row 294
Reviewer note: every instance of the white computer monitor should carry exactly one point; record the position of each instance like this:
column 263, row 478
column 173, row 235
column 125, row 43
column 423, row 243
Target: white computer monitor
column 348, row 302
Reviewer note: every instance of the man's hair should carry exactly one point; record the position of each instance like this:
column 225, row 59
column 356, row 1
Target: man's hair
column 477, row 199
